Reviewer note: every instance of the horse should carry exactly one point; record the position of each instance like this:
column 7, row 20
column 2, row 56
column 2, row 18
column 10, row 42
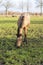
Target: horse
column 23, row 24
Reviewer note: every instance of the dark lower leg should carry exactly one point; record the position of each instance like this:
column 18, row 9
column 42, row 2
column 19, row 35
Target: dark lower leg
column 25, row 35
column 25, row 39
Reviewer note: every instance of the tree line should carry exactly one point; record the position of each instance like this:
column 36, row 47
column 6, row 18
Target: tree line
column 8, row 4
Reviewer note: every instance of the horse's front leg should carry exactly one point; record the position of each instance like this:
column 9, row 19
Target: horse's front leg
column 25, row 34
column 19, row 37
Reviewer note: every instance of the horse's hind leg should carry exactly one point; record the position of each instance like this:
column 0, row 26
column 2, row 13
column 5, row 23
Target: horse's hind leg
column 19, row 37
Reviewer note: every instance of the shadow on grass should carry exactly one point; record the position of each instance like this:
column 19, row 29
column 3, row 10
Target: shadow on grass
column 9, row 43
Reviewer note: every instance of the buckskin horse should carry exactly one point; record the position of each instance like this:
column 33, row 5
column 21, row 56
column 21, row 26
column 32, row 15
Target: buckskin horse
column 23, row 24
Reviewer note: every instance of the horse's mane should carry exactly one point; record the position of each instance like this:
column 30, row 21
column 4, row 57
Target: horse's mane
column 22, row 19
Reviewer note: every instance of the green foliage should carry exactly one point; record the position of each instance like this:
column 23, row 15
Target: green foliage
column 27, row 54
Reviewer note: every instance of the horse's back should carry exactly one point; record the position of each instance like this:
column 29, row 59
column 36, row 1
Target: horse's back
column 24, row 20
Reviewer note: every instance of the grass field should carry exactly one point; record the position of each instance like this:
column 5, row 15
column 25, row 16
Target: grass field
column 28, row 54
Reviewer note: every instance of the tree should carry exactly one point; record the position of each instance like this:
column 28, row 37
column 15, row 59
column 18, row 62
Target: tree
column 40, row 4
column 21, row 5
column 0, row 1
column 24, row 5
column 27, row 6
column 7, row 5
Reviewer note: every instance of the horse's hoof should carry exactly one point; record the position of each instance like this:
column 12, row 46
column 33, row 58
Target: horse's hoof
column 17, row 46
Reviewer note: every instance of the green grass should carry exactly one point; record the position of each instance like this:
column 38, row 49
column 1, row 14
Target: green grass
column 37, row 19
column 28, row 54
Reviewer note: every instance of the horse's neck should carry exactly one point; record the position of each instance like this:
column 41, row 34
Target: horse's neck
column 22, row 18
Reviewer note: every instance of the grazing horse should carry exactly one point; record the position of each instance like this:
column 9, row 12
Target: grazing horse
column 23, row 24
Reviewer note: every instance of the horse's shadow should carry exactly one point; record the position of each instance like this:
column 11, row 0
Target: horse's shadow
column 9, row 43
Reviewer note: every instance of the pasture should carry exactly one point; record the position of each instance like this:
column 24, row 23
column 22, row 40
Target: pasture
column 28, row 54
